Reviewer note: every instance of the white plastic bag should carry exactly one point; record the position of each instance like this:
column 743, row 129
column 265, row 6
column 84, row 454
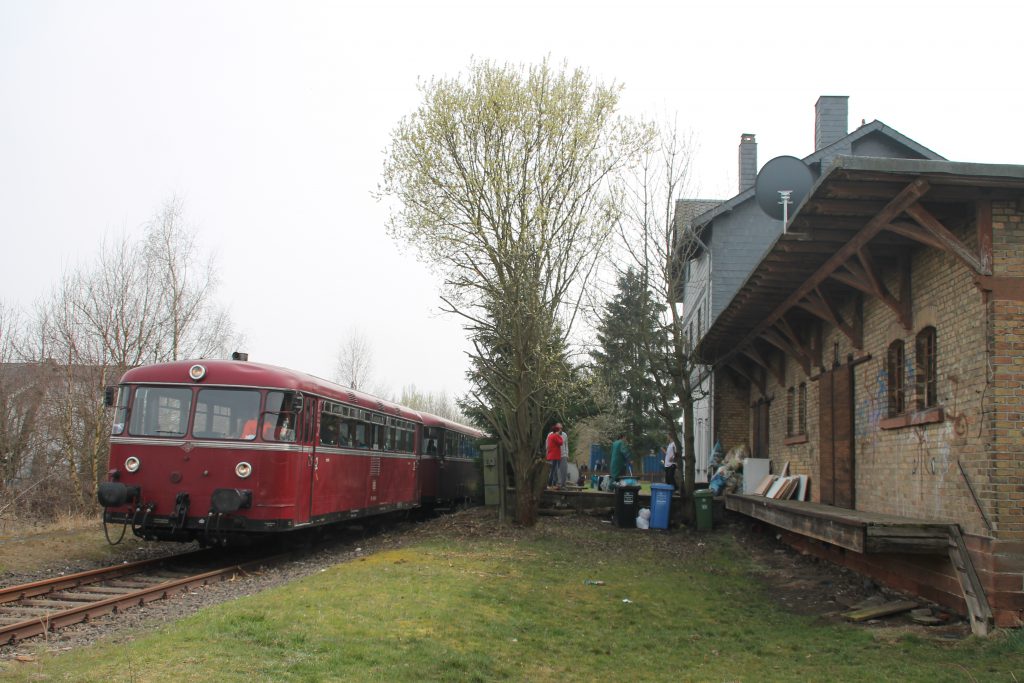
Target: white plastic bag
column 643, row 520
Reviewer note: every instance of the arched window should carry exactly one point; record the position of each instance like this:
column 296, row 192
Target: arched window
column 894, row 363
column 925, row 369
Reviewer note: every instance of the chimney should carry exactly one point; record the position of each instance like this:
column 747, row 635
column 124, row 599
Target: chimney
column 748, row 161
column 831, row 114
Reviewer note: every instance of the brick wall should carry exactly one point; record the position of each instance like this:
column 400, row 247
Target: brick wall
column 732, row 412
column 924, row 471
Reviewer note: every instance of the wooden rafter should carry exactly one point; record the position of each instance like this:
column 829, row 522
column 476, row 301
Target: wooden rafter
column 944, row 238
column 779, row 341
column 754, row 354
column 816, row 303
column 863, row 275
column 758, row 382
column 805, row 349
column 908, row 196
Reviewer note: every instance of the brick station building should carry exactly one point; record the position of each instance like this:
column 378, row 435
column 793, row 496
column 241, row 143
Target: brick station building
column 878, row 347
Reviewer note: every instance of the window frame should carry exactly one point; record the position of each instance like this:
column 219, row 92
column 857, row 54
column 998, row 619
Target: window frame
column 926, row 369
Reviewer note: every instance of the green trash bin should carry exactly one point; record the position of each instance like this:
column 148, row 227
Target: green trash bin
column 702, row 501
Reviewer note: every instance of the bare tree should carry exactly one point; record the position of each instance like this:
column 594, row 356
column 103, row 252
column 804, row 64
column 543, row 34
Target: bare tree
column 20, row 391
column 141, row 301
column 506, row 184
column 658, row 248
column 189, row 325
column 440, row 404
column 355, row 361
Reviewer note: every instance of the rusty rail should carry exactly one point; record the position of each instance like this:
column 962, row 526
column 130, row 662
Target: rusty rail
column 35, row 608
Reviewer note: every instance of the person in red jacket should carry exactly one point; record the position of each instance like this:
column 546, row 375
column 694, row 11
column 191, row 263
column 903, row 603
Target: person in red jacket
column 554, row 451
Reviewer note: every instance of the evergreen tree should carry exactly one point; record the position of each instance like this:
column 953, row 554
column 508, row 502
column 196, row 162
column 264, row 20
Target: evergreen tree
column 627, row 328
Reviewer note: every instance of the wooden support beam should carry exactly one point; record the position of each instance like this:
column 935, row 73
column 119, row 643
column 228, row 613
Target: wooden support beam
column 805, row 349
column 773, row 337
column 820, row 305
column 900, row 306
column 754, row 354
column 950, row 242
column 758, row 382
column 915, row 232
column 852, row 274
column 907, row 196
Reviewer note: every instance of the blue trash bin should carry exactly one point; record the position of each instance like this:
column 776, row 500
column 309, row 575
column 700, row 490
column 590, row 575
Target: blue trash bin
column 661, row 505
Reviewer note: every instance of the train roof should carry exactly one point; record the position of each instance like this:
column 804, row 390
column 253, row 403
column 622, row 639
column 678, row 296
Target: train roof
column 430, row 420
column 244, row 373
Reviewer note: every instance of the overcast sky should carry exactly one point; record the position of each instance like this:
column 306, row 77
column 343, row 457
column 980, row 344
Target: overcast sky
column 269, row 120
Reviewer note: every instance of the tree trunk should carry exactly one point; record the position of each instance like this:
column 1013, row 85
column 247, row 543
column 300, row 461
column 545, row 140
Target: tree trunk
column 689, row 448
column 530, row 476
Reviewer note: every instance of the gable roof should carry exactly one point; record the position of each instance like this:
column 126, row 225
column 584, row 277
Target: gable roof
column 815, row 159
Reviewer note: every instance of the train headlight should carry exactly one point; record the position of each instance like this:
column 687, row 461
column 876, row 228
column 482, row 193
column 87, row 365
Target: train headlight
column 197, row 372
column 243, row 470
column 132, row 464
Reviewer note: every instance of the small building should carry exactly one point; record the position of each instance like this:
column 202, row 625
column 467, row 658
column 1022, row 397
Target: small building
column 876, row 345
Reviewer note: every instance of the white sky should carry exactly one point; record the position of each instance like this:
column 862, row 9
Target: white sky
column 270, row 118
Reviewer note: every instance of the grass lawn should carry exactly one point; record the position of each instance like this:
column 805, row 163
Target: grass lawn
column 479, row 604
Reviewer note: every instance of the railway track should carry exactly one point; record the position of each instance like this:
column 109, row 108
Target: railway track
column 39, row 607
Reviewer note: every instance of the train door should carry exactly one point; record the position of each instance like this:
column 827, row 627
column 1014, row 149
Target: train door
column 305, row 423
column 328, row 485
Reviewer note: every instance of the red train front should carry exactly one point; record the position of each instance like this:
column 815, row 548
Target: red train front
column 212, row 450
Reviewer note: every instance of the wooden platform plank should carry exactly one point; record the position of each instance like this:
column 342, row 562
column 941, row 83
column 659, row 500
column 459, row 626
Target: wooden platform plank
column 880, row 611
column 857, row 530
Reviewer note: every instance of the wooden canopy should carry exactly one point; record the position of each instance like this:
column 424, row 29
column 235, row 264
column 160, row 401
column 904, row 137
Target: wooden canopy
column 862, row 218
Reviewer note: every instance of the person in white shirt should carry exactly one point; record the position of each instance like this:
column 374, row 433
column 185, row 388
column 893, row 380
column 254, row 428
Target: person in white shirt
column 670, row 462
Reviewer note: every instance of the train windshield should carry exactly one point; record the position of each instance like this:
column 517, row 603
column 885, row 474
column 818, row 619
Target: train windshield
column 226, row 414
column 160, row 411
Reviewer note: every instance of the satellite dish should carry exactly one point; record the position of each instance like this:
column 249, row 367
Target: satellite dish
column 781, row 185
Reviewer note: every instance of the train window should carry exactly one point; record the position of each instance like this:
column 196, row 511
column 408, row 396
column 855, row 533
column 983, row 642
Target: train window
column 120, row 410
column 227, row 414
column 160, row 411
column 431, row 441
column 361, row 435
column 279, row 416
column 330, row 429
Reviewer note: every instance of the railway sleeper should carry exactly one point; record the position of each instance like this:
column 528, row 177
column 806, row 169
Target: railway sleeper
column 31, row 611
column 85, row 597
column 57, row 604
column 110, row 591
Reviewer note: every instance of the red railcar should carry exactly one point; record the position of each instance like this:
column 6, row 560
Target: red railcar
column 212, row 450
column 450, row 465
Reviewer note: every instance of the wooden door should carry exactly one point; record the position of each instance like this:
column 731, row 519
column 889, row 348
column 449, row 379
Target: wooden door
column 836, row 452
column 761, row 417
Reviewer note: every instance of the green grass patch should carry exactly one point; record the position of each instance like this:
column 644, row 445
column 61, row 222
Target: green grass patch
column 515, row 607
